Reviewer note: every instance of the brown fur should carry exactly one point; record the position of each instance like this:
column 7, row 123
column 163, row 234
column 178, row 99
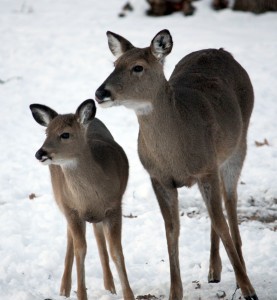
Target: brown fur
column 89, row 173
column 166, row 7
column 192, row 129
column 255, row 6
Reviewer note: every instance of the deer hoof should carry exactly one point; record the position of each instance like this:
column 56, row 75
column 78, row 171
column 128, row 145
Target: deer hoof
column 214, row 277
column 214, row 281
column 254, row 297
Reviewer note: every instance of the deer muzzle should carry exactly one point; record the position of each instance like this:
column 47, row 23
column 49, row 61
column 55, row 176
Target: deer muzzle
column 102, row 94
column 43, row 157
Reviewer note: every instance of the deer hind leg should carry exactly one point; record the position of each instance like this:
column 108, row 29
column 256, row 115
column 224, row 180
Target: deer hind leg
column 168, row 201
column 215, row 269
column 230, row 172
column 104, row 257
column 68, row 262
column 210, row 189
column 112, row 230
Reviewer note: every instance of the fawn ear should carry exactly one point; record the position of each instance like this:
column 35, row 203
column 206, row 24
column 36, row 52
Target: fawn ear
column 86, row 111
column 43, row 114
column 118, row 44
column 161, row 45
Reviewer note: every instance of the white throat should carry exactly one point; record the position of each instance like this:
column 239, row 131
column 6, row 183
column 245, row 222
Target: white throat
column 141, row 107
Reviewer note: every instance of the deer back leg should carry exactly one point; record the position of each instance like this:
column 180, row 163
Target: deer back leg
column 104, row 257
column 112, row 230
column 210, row 190
column 230, row 172
column 168, row 201
column 215, row 269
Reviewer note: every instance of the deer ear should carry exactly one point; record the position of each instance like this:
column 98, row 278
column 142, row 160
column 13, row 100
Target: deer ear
column 42, row 114
column 118, row 44
column 161, row 45
column 86, row 111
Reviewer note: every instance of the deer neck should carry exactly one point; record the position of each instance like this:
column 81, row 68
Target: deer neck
column 81, row 167
column 162, row 111
column 81, row 173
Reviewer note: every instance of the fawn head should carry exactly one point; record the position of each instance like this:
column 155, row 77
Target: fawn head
column 65, row 134
column 138, row 72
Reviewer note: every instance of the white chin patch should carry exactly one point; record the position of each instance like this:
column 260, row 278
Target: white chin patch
column 107, row 103
column 46, row 161
column 66, row 163
column 140, row 108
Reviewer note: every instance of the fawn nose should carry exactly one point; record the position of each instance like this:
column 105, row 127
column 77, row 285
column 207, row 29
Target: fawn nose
column 102, row 94
column 40, row 154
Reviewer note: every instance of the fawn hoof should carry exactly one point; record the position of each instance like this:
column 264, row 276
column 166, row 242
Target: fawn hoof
column 109, row 286
column 254, row 297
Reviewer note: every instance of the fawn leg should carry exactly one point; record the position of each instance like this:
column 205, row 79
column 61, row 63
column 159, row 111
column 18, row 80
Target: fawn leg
column 104, row 257
column 112, row 229
column 68, row 262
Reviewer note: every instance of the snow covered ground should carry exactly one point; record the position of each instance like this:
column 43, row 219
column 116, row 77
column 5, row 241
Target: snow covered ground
column 55, row 53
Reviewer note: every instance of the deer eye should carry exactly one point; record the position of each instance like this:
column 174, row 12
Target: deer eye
column 138, row 69
column 65, row 135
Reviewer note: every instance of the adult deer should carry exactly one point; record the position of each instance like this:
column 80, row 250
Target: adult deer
column 89, row 174
column 192, row 129
column 166, row 7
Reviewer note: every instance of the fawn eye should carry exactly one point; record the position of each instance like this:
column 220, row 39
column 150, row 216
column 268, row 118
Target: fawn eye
column 64, row 135
column 138, row 69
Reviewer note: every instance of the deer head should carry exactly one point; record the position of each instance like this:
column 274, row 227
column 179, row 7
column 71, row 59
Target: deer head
column 65, row 134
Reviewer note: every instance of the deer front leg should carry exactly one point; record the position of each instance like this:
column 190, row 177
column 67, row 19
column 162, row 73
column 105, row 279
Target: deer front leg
column 77, row 228
column 168, row 201
column 68, row 262
column 104, row 257
column 112, row 230
column 210, row 190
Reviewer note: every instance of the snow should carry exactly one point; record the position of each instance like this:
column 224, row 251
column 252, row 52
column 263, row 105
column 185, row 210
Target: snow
column 56, row 53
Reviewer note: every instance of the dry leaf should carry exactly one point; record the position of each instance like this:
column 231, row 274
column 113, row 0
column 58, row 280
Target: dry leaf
column 32, row 196
column 260, row 144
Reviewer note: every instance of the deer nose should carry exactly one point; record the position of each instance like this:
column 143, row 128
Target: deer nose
column 102, row 94
column 40, row 154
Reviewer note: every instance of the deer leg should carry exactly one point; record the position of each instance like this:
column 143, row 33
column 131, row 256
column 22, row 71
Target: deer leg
column 168, row 201
column 78, row 231
column 215, row 260
column 230, row 172
column 220, row 4
column 69, row 257
column 210, row 190
column 188, row 8
column 157, row 8
column 112, row 229
column 104, row 257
